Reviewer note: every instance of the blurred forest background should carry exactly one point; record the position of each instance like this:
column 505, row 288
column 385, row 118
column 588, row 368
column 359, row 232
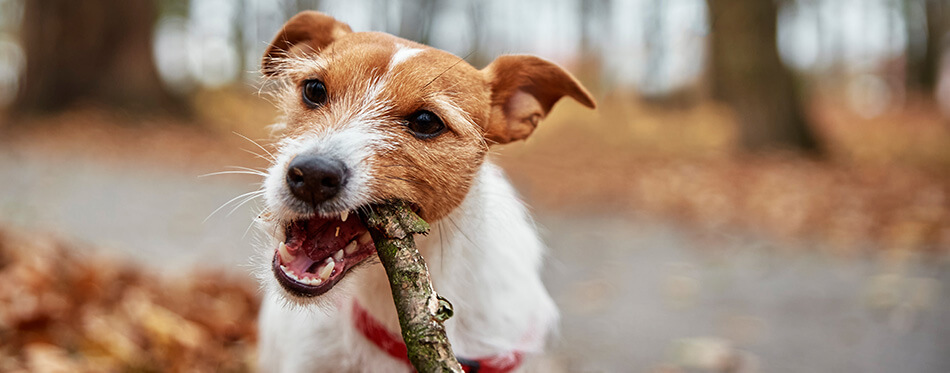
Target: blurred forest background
column 817, row 125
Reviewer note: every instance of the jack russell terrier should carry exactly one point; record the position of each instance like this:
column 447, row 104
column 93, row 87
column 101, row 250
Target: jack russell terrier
column 368, row 117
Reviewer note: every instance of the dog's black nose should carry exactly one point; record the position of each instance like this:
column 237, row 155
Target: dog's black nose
column 315, row 179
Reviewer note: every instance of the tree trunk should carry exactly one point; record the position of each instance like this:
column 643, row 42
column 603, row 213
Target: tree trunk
column 748, row 74
column 97, row 51
column 937, row 23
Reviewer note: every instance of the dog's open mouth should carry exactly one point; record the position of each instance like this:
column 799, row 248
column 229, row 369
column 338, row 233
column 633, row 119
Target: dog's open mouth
column 319, row 251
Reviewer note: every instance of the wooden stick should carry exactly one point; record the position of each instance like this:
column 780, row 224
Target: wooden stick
column 421, row 311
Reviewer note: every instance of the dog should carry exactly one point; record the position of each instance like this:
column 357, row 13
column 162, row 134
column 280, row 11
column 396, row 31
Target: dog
column 369, row 117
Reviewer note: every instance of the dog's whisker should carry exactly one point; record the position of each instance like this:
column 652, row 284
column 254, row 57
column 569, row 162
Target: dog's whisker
column 441, row 247
column 251, row 224
column 256, row 144
column 247, row 169
column 258, row 155
column 251, row 193
column 363, row 210
column 460, row 60
column 256, row 173
column 459, row 230
column 244, row 201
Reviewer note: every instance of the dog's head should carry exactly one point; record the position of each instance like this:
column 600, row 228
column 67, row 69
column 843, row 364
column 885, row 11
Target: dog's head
column 369, row 117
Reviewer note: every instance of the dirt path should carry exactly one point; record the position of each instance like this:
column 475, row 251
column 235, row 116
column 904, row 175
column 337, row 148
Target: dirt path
column 150, row 215
column 636, row 295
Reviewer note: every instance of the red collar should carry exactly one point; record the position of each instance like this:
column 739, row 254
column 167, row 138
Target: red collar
column 393, row 345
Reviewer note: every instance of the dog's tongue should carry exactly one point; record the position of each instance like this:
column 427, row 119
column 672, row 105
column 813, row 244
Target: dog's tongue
column 319, row 238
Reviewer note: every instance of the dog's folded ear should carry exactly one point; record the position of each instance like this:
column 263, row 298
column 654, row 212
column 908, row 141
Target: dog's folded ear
column 523, row 90
column 306, row 32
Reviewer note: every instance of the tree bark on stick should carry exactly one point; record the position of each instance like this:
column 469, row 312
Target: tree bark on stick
column 421, row 311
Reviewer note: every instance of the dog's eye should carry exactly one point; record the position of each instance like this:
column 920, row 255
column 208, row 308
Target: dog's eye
column 314, row 93
column 425, row 124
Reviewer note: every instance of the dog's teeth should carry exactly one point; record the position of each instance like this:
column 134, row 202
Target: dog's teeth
column 326, row 270
column 285, row 255
column 337, row 234
column 350, row 248
column 365, row 238
column 344, row 215
column 338, row 256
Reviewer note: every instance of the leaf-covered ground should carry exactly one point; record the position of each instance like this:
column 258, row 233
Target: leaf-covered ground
column 63, row 311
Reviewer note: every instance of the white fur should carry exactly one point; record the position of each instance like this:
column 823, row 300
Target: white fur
column 402, row 55
column 484, row 257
